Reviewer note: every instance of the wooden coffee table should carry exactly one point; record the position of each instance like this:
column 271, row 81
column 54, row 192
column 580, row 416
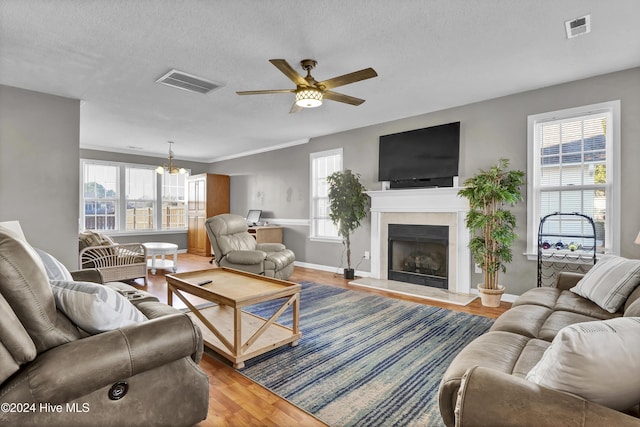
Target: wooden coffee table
column 229, row 330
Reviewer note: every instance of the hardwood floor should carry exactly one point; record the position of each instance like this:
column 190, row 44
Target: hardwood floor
column 234, row 400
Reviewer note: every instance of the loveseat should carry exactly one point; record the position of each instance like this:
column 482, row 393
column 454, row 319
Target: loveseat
column 75, row 353
column 567, row 355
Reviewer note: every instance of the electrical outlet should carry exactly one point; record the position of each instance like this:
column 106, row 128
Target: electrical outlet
column 478, row 270
column 366, row 255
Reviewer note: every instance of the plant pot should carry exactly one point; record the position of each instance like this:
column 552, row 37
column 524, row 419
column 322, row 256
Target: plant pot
column 490, row 297
column 349, row 273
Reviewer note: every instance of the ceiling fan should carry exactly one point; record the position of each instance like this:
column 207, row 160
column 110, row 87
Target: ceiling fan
column 309, row 92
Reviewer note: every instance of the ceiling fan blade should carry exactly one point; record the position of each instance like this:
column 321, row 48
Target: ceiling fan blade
column 263, row 92
column 295, row 108
column 335, row 96
column 288, row 71
column 356, row 76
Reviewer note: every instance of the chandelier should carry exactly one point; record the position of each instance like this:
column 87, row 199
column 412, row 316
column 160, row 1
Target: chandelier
column 309, row 97
column 171, row 168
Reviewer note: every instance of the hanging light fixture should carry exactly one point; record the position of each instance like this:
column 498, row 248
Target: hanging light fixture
column 171, row 168
column 309, row 97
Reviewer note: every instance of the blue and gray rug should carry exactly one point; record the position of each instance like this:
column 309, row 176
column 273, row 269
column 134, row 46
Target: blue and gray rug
column 365, row 360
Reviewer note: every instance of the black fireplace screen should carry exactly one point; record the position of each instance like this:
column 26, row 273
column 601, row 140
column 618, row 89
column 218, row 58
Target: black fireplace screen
column 419, row 254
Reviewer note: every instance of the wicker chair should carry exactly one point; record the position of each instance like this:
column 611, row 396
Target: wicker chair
column 116, row 262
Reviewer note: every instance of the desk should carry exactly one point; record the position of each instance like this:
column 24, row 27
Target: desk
column 155, row 249
column 226, row 328
column 266, row 233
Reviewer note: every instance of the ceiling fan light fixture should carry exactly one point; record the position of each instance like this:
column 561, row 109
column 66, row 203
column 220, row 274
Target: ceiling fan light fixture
column 309, row 97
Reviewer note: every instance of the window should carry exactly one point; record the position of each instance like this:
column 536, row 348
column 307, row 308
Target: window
column 140, row 197
column 123, row 197
column 322, row 165
column 173, row 201
column 574, row 167
column 100, row 196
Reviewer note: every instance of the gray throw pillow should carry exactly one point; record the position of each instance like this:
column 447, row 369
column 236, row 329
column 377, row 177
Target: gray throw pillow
column 55, row 269
column 94, row 308
column 610, row 282
column 595, row 360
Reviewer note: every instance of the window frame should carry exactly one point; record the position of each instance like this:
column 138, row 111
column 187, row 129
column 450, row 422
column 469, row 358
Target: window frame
column 153, row 201
column 613, row 162
column 313, row 198
column 121, row 201
column 162, row 200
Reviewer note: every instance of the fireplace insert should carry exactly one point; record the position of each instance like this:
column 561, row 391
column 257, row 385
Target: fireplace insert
column 418, row 254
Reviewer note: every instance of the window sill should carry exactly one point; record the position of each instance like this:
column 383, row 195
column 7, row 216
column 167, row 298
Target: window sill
column 143, row 232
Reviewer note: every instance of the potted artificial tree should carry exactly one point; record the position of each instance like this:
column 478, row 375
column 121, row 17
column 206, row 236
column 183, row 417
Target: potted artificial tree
column 491, row 223
column 347, row 207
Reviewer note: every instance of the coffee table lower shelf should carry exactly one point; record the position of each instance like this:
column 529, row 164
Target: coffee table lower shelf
column 274, row 336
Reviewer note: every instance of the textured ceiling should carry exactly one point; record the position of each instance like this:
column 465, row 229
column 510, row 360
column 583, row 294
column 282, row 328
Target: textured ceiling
column 429, row 55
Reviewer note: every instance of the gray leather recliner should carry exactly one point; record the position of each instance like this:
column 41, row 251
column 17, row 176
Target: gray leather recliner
column 234, row 247
column 56, row 374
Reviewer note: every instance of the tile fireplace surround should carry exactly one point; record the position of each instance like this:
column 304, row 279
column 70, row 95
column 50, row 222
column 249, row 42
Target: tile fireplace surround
column 425, row 206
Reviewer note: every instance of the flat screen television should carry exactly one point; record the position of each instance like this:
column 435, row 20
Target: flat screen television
column 421, row 156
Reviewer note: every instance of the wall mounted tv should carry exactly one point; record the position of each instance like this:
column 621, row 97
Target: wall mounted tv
column 425, row 157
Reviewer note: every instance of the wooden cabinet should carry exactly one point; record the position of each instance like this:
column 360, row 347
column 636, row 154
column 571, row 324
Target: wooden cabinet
column 207, row 195
column 266, row 234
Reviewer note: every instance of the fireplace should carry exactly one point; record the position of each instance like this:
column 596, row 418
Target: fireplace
column 433, row 206
column 418, row 254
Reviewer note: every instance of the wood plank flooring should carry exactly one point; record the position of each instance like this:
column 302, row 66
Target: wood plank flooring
column 234, row 400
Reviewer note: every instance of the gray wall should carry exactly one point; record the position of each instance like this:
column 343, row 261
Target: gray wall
column 179, row 238
column 278, row 181
column 39, row 137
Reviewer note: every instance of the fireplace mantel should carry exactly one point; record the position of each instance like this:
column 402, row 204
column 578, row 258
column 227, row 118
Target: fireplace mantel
column 437, row 206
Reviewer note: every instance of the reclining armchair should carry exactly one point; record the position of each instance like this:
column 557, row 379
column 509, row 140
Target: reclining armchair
column 234, row 247
column 55, row 372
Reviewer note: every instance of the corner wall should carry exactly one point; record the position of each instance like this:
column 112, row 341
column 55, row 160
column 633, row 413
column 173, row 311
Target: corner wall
column 278, row 181
column 39, row 140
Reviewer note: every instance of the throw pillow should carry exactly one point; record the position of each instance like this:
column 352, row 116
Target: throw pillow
column 54, row 268
column 595, row 360
column 94, row 308
column 610, row 282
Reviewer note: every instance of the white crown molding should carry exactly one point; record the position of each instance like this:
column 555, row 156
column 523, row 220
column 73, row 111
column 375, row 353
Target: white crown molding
column 261, row 150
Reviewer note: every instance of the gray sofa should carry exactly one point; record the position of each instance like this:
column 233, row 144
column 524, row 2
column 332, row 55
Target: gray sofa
column 486, row 384
column 139, row 369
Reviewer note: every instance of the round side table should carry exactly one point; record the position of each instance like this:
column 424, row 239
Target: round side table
column 155, row 249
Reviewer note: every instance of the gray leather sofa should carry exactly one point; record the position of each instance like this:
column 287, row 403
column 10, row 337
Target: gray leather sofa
column 54, row 373
column 234, row 247
column 485, row 385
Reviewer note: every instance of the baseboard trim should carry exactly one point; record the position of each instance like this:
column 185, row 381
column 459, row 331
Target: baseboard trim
column 330, row 269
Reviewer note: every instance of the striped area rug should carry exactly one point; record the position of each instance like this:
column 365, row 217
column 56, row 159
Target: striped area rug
column 365, row 360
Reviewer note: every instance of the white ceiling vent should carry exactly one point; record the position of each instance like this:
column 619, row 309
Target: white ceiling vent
column 579, row 26
column 184, row 81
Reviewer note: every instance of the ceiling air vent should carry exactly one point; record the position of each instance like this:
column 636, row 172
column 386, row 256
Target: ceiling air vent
column 182, row 80
column 579, row 26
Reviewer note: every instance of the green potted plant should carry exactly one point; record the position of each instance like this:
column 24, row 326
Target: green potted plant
column 347, row 207
column 492, row 224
